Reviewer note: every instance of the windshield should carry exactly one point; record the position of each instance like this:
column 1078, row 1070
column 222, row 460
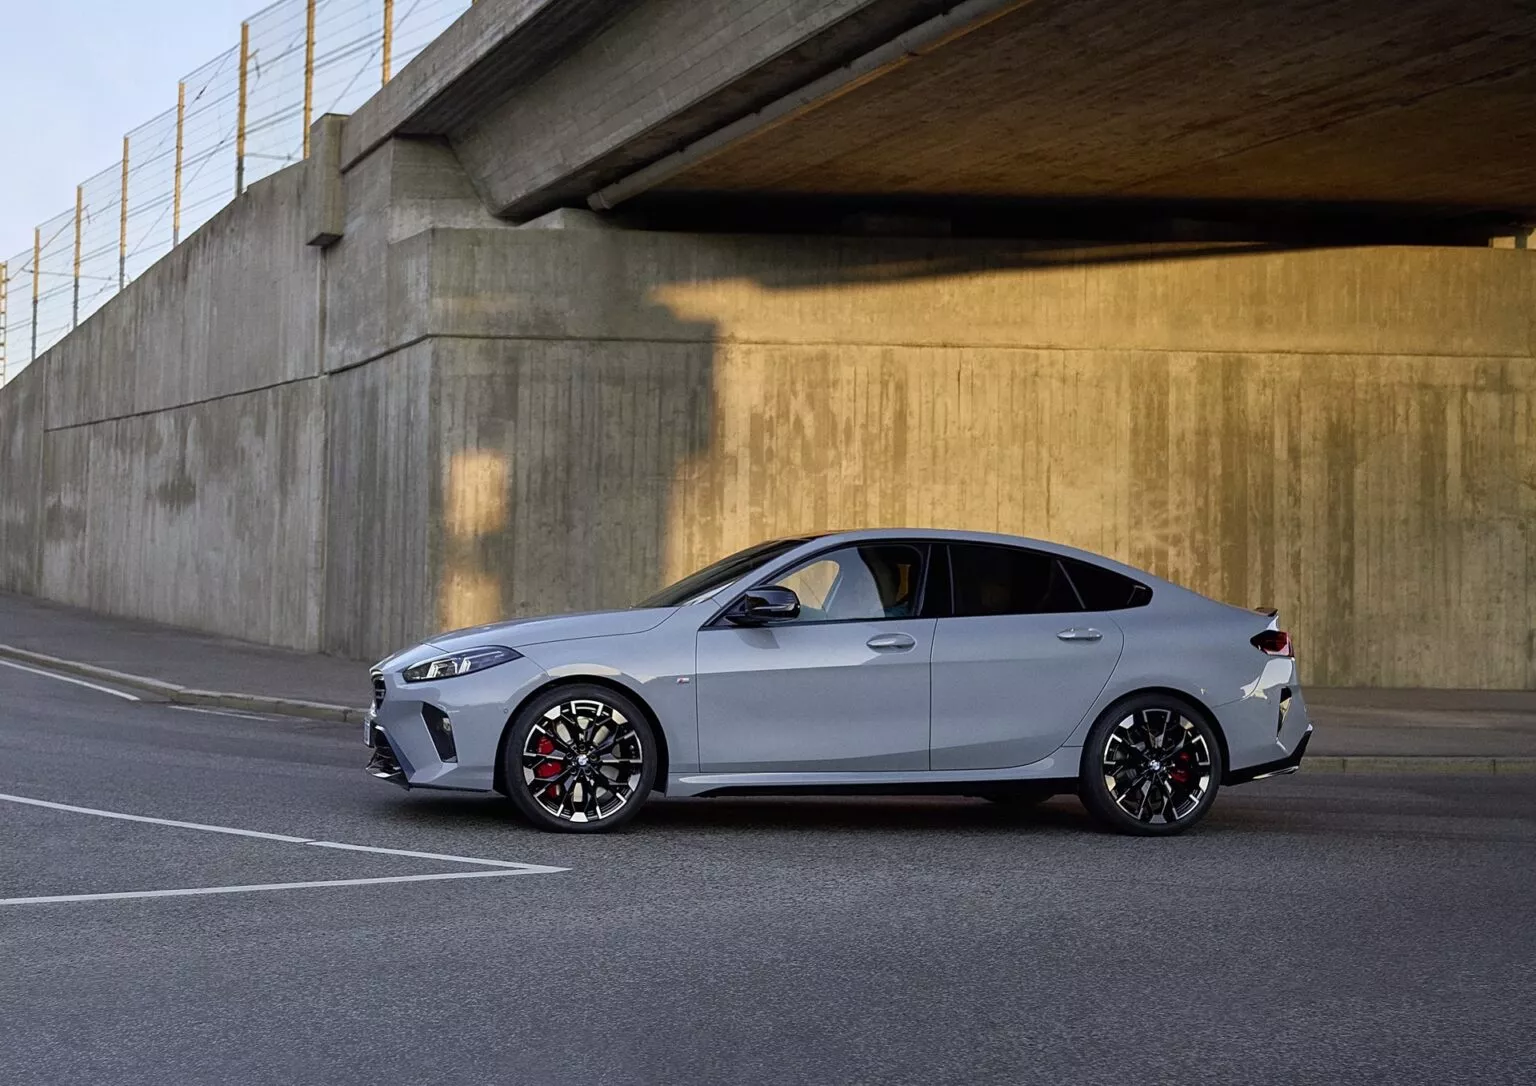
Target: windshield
column 711, row 579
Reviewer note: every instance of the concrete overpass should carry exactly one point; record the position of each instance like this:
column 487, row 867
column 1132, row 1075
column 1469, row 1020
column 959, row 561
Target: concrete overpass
column 1378, row 106
column 1154, row 299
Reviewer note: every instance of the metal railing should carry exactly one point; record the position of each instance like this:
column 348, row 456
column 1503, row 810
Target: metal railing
column 243, row 115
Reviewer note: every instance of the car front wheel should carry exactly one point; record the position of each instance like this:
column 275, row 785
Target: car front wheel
column 1151, row 766
column 580, row 759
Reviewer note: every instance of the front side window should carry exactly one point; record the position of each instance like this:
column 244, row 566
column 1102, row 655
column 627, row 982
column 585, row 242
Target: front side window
column 996, row 580
column 863, row 582
column 711, row 579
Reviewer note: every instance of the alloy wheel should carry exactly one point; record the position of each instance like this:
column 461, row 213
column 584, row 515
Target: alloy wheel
column 1157, row 766
column 583, row 760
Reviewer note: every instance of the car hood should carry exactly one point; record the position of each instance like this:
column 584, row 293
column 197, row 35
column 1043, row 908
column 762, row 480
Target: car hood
column 534, row 631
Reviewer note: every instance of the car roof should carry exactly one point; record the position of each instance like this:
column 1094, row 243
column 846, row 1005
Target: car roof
column 865, row 535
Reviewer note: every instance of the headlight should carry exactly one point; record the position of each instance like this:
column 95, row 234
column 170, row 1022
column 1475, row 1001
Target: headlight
column 460, row 663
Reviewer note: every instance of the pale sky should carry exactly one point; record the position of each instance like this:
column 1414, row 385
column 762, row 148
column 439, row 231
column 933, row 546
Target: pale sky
column 75, row 75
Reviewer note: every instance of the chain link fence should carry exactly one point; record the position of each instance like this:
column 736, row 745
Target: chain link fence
column 239, row 117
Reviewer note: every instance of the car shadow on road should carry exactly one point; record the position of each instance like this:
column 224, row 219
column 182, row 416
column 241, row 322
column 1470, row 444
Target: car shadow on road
column 755, row 815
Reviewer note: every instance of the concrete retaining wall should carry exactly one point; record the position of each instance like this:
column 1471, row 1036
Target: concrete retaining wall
column 443, row 420
column 1346, row 435
column 178, row 439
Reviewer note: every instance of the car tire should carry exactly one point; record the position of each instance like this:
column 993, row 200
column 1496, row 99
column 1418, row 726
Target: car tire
column 1151, row 766
column 580, row 758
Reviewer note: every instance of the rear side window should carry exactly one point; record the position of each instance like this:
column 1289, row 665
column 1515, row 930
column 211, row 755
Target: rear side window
column 994, row 580
column 1103, row 589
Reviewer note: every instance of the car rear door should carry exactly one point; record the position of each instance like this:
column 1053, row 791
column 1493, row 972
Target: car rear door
column 1017, row 663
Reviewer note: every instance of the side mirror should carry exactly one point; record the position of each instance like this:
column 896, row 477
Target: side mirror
column 763, row 605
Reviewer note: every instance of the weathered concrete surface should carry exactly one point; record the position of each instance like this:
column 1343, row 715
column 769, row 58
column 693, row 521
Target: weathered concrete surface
column 1371, row 101
column 1344, row 434
column 379, row 296
column 381, row 522
column 21, row 480
column 203, row 515
column 176, row 438
column 492, row 46
column 235, row 307
column 1376, row 102
column 659, row 75
column 490, row 420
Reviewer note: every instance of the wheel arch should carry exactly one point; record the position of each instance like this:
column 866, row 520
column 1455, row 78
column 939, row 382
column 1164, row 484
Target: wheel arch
column 1183, row 695
column 499, row 778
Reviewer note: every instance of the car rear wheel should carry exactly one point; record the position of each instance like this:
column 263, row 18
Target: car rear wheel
column 580, row 759
column 1151, row 766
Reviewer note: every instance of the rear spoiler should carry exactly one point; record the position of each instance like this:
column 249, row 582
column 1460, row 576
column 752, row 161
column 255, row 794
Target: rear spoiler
column 1267, row 612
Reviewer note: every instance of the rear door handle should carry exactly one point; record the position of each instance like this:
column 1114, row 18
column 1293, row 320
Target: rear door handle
column 1080, row 633
column 895, row 642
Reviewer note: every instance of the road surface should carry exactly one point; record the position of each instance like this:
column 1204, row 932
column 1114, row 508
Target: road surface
column 1325, row 928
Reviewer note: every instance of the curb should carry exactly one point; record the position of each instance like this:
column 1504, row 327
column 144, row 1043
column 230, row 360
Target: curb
column 182, row 695
column 1424, row 763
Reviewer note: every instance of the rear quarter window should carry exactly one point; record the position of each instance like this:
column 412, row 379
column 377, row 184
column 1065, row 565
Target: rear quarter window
column 1103, row 589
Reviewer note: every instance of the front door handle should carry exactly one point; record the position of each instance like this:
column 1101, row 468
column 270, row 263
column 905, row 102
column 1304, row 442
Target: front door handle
column 894, row 642
column 1080, row 633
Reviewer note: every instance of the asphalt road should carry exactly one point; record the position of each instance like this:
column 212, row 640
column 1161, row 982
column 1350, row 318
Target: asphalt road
column 1315, row 929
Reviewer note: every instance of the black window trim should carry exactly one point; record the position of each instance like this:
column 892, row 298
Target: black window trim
column 925, row 547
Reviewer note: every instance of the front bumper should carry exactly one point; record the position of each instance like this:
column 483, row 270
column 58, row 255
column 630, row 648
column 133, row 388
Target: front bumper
column 383, row 765
column 443, row 734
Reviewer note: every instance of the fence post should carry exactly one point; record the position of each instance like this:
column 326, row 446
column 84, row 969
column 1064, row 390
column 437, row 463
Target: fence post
column 122, row 225
column 389, row 35
column 37, row 271
column 309, row 70
column 74, row 314
column 245, row 57
column 5, row 282
column 181, row 125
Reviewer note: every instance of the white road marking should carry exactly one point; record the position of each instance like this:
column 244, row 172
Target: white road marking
column 154, row 821
column 198, row 891
column 220, row 712
column 69, row 679
column 532, row 868
column 501, row 867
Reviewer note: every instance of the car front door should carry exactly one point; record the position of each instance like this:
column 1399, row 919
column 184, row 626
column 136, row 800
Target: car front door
column 842, row 687
column 1018, row 664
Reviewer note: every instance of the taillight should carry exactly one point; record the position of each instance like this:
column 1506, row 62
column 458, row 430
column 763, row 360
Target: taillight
column 1273, row 642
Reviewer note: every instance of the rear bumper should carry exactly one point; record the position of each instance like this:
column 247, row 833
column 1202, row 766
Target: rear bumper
column 1278, row 768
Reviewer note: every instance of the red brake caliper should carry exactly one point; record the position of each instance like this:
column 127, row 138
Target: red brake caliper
column 546, row 746
column 1180, row 772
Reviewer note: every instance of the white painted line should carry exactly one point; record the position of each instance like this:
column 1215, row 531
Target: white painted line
column 70, row 679
column 532, row 869
column 154, row 821
column 197, row 891
column 221, row 712
column 500, row 867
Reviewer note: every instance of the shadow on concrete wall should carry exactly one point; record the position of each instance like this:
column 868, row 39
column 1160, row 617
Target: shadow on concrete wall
column 558, row 458
column 1271, row 424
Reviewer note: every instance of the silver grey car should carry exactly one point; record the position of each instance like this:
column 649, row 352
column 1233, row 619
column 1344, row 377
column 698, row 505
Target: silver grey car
column 887, row 661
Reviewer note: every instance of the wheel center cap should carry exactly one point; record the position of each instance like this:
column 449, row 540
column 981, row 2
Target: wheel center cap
column 581, row 759
column 1157, row 767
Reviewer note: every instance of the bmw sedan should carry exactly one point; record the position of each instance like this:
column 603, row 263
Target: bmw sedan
column 861, row 662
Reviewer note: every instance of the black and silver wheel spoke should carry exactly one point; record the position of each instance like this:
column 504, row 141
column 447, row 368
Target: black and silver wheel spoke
column 583, row 737
column 1156, row 766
